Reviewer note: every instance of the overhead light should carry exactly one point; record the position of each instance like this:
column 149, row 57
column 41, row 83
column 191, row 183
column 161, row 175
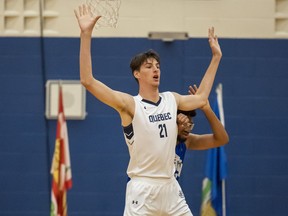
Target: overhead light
column 168, row 36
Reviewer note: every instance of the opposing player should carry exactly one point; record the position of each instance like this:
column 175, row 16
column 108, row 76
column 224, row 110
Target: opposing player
column 188, row 140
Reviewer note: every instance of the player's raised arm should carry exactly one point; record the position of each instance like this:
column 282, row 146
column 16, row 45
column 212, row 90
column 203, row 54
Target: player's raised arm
column 200, row 98
column 118, row 100
column 86, row 23
column 208, row 79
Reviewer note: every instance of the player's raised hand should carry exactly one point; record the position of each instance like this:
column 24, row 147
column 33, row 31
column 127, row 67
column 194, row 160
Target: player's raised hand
column 192, row 90
column 85, row 18
column 213, row 41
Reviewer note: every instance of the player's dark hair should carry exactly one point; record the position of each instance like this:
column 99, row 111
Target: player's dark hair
column 191, row 113
column 140, row 58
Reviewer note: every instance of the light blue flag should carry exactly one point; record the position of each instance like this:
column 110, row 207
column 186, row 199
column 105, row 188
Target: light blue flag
column 213, row 193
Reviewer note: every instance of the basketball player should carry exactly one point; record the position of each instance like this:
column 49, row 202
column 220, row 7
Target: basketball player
column 188, row 140
column 149, row 123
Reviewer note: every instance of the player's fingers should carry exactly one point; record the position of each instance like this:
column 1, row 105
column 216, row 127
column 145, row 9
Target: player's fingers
column 97, row 18
column 84, row 9
column 192, row 90
column 76, row 14
column 80, row 10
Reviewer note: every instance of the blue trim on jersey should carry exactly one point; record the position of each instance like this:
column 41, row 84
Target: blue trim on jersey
column 128, row 131
column 150, row 102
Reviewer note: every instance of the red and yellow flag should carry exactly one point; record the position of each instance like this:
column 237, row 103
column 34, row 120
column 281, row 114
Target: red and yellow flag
column 61, row 166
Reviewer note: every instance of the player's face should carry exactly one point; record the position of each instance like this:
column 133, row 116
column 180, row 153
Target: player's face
column 185, row 126
column 150, row 72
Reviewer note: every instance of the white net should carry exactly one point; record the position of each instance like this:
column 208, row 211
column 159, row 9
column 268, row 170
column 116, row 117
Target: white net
column 107, row 9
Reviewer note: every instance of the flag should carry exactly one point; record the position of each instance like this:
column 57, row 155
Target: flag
column 61, row 167
column 213, row 186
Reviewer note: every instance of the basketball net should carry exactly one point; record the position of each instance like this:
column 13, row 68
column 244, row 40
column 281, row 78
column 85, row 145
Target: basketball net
column 107, row 9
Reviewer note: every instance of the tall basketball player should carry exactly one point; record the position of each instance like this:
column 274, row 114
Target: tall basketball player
column 149, row 122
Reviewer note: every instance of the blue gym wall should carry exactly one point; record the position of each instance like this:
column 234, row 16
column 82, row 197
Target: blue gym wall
column 254, row 74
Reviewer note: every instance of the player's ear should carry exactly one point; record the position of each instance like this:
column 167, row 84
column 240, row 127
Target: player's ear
column 136, row 74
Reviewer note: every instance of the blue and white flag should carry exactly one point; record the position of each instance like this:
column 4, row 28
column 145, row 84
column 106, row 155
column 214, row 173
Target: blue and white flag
column 213, row 187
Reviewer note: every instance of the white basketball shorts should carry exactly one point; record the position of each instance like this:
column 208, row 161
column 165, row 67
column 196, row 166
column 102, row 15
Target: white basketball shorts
column 155, row 197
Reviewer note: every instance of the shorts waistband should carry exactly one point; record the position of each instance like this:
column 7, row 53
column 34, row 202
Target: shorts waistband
column 153, row 180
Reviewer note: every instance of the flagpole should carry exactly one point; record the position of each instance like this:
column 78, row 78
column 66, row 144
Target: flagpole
column 60, row 85
column 223, row 197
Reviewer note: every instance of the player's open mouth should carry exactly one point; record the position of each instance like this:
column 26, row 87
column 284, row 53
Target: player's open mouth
column 186, row 133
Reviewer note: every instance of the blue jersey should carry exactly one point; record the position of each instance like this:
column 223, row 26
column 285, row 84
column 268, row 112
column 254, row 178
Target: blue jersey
column 179, row 159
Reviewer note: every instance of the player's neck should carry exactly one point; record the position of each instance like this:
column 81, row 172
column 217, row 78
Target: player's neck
column 150, row 94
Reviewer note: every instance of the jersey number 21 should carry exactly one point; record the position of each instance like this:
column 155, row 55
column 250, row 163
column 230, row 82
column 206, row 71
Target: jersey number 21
column 163, row 130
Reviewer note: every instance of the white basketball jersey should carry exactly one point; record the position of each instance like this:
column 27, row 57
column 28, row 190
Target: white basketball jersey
column 151, row 137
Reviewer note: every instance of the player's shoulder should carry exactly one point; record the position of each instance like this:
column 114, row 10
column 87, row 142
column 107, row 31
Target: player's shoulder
column 166, row 94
